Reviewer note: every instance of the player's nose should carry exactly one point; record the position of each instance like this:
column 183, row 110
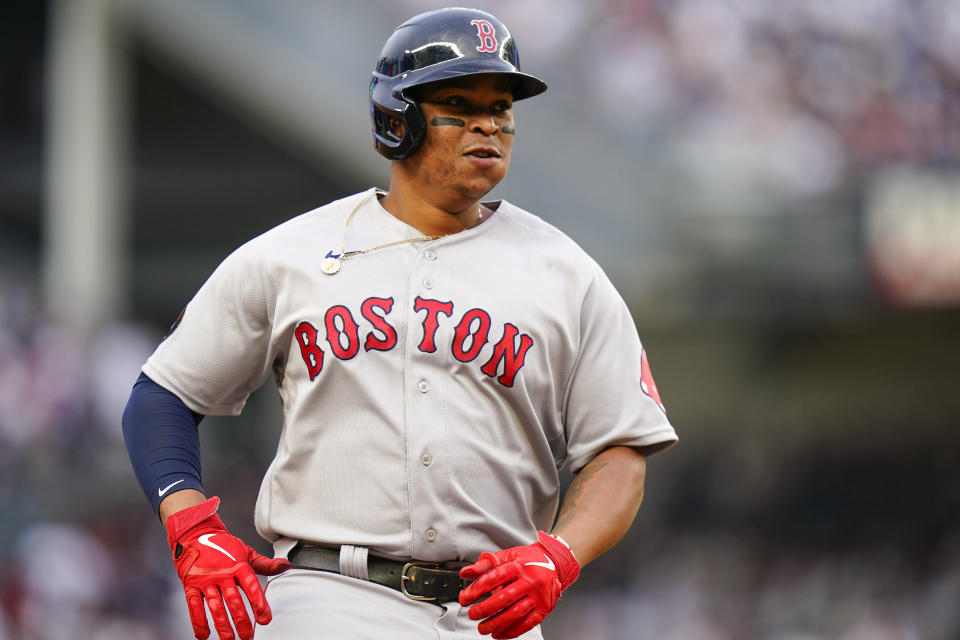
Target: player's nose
column 484, row 124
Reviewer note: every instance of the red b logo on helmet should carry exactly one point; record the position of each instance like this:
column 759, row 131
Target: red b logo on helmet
column 487, row 35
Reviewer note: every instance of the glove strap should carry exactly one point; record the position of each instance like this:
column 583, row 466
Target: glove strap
column 182, row 521
column 568, row 569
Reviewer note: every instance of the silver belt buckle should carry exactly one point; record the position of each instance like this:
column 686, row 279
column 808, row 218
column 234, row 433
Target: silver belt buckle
column 404, row 577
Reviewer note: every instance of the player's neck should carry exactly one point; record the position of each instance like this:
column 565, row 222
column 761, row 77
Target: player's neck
column 427, row 217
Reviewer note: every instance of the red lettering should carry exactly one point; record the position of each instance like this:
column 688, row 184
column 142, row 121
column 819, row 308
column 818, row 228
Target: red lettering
column 470, row 336
column 506, row 352
column 477, row 339
column 433, row 308
column 389, row 339
column 335, row 335
column 487, row 35
column 306, row 336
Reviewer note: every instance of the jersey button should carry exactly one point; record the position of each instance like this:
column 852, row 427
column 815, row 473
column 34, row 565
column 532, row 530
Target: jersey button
column 424, row 386
column 431, row 535
column 428, row 283
column 430, row 255
column 426, row 459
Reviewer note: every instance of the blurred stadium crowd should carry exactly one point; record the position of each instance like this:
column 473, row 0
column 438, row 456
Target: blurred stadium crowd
column 801, row 92
column 756, row 106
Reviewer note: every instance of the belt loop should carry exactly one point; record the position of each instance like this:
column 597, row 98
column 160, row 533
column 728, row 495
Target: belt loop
column 353, row 561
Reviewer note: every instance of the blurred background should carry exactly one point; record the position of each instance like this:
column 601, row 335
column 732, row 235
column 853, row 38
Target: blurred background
column 773, row 186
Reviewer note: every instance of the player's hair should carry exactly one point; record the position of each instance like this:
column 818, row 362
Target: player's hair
column 437, row 45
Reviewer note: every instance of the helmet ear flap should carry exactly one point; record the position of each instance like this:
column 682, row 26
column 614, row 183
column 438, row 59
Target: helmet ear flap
column 398, row 133
column 387, row 125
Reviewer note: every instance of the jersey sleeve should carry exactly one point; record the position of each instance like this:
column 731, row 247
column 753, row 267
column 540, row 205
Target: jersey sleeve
column 219, row 351
column 611, row 397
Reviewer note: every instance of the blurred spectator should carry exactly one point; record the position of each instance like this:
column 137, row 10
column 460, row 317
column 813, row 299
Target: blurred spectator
column 65, row 575
column 40, row 381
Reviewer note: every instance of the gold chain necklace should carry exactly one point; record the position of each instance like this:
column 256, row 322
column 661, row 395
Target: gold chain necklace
column 331, row 265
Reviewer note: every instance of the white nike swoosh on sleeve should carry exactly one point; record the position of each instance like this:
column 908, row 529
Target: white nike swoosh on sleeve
column 160, row 492
column 546, row 565
column 205, row 540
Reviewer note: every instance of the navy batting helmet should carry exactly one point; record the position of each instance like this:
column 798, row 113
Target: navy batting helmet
column 433, row 46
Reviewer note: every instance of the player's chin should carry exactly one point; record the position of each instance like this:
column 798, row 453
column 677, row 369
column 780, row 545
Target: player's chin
column 476, row 189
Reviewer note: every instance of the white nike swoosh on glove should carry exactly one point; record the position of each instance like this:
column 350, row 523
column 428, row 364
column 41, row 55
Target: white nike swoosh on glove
column 160, row 492
column 205, row 540
column 546, row 565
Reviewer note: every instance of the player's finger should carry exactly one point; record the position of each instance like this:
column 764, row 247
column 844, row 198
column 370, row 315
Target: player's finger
column 488, row 582
column 198, row 615
column 507, row 618
column 248, row 581
column 238, row 611
column 476, row 569
column 218, row 612
column 267, row 566
column 524, row 625
column 473, row 591
column 498, row 601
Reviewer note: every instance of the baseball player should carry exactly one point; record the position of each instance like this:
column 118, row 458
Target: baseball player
column 439, row 358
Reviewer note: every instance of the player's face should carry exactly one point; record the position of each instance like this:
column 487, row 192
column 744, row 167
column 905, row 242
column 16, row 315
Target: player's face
column 470, row 130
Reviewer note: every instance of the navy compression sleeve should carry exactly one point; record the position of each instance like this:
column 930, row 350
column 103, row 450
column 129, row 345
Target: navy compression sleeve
column 162, row 440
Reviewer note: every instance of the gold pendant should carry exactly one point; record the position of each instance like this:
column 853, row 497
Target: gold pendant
column 330, row 266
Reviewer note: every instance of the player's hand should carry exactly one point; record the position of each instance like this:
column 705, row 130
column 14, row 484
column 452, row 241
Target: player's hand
column 214, row 566
column 524, row 584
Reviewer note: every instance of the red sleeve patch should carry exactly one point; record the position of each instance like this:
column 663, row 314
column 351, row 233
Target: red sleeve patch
column 646, row 381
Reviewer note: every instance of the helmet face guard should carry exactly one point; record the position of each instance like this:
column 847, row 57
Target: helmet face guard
column 433, row 46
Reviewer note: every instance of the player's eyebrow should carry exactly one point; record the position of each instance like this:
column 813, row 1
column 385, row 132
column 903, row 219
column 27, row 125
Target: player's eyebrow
column 456, row 86
column 440, row 97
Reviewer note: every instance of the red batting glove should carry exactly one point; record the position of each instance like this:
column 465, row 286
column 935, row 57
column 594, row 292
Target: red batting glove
column 524, row 584
column 212, row 564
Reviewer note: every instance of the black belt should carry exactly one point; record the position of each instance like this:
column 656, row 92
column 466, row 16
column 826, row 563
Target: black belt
column 418, row 580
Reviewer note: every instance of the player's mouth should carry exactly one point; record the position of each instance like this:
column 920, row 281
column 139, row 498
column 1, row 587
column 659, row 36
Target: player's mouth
column 483, row 156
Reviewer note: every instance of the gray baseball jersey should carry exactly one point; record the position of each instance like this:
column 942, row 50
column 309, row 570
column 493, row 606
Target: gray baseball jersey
column 431, row 390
